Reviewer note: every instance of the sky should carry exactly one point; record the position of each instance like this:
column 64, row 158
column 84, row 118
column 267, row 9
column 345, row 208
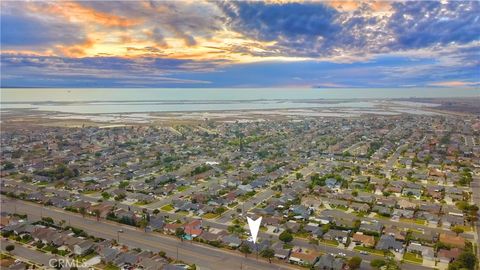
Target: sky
column 207, row 44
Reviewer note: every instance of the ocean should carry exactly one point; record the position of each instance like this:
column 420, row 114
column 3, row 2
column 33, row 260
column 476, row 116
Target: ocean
column 129, row 100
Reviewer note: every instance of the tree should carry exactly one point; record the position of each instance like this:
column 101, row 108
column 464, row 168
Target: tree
column 82, row 211
column 286, row 236
column 48, row 220
column 466, row 260
column 156, row 211
column 61, row 222
column 123, row 184
column 298, row 175
column 354, row 262
column 377, row 263
column 245, row 250
column 180, row 233
column 97, row 214
column 143, row 223
column 268, row 253
column 458, row 230
column 106, row 195
column 10, row 248
column 8, row 165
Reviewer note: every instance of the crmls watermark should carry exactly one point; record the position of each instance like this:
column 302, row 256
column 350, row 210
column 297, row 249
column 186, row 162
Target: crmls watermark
column 68, row 263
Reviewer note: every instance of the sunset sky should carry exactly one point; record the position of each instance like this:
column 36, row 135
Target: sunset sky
column 240, row 44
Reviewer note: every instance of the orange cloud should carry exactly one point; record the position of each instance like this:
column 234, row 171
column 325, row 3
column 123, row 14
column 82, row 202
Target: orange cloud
column 453, row 84
column 76, row 50
column 344, row 5
column 381, row 6
column 76, row 12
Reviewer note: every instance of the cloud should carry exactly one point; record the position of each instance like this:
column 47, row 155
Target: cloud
column 454, row 84
column 77, row 11
column 231, row 43
column 23, row 70
column 318, row 30
column 23, row 31
column 276, row 22
column 419, row 24
column 297, row 28
column 166, row 19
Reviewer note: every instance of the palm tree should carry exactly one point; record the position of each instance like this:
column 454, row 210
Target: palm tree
column 82, row 211
column 61, row 223
column 245, row 250
column 268, row 253
column 97, row 214
column 143, row 224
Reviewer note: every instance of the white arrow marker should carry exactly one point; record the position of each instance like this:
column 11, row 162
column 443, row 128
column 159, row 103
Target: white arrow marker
column 254, row 226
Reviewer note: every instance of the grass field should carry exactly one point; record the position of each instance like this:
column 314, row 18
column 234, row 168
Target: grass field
column 416, row 221
column 370, row 250
column 140, row 203
column 167, row 207
column 111, row 267
column 412, row 257
column 210, row 215
column 328, row 242
column 182, row 188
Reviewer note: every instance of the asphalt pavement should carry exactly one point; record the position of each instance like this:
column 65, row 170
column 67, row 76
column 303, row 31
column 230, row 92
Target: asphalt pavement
column 204, row 256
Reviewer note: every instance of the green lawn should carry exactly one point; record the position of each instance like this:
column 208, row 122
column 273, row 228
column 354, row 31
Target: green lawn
column 328, row 242
column 167, row 207
column 340, row 207
column 86, row 257
column 381, row 217
column 48, row 248
column 140, row 203
column 302, row 235
column 412, row 257
column 63, row 252
column 369, row 250
column 414, row 220
column 466, row 228
column 210, row 215
column 89, row 192
column 111, row 267
column 182, row 188
column 24, row 241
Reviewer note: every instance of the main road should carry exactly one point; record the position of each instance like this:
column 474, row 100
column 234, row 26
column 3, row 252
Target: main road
column 475, row 185
column 205, row 257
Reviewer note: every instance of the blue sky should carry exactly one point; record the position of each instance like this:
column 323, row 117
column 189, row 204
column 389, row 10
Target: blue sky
column 240, row 44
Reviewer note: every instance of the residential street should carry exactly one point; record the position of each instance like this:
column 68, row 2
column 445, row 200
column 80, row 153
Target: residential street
column 27, row 254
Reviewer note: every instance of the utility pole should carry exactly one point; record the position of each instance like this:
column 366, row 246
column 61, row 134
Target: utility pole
column 118, row 235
